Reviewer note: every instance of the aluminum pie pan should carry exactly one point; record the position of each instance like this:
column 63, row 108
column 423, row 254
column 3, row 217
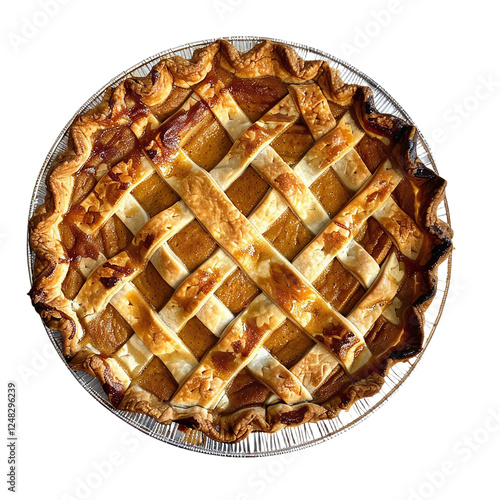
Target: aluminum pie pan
column 292, row 438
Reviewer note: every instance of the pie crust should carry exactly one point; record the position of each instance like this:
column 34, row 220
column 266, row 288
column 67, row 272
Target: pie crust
column 292, row 225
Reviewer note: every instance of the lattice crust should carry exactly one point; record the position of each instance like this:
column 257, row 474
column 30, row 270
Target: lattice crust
column 295, row 298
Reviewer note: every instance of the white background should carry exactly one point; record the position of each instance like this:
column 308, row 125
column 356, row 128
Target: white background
column 436, row 59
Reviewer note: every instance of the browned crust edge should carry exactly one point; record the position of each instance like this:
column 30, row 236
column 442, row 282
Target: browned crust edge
column 266, row 58
column 46, row 294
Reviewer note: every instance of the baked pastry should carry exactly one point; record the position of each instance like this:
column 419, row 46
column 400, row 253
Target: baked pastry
column 238, row 242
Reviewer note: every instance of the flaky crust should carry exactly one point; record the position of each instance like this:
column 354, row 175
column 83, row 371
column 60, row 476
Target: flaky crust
column 265, row 59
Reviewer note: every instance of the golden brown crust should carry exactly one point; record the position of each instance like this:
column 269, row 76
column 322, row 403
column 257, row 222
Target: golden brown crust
column 44, row 233
column 232, row 427
column 265, row 59
column 155, row 87
column 188, row 73
column 268, row 59
column 333, row 87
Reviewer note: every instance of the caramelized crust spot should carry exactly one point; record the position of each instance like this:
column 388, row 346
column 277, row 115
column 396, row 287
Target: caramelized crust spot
column 170, row 105
column 256, row 96
column 109, row 148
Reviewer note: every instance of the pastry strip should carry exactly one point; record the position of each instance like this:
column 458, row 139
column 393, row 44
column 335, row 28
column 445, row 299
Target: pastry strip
column 314, row 108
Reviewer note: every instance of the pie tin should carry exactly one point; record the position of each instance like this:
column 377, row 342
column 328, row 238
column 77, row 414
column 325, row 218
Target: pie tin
column 292, row 438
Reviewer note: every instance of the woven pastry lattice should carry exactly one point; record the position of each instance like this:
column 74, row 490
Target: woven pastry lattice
column 145, row 133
